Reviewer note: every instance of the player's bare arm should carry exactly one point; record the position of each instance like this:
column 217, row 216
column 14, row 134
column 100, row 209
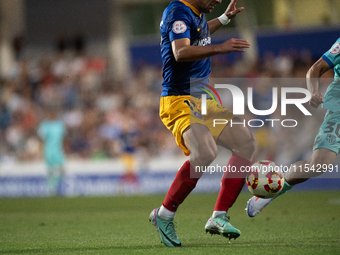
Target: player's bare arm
column 313, row 75
column 184, row 52
column 230, row 12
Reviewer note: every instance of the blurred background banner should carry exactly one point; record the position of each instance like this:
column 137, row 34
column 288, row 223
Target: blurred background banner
column 97, row 62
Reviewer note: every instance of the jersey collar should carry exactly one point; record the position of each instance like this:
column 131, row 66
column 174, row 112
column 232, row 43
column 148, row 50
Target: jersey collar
column 192, row 8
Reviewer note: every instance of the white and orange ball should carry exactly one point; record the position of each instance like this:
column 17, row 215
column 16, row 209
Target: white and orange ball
column 265, row 179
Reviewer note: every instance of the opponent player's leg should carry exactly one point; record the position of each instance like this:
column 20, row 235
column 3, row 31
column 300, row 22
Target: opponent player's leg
column 240, row 141
column 199, row 141
column 299, row 172
column 324, row 154
column 303, row 170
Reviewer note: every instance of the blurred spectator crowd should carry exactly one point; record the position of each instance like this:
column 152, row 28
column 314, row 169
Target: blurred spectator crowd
column 103, row 116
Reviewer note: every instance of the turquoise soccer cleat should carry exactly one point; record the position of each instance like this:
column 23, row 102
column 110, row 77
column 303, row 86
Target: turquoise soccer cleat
column 165, row 229
column 220, row 225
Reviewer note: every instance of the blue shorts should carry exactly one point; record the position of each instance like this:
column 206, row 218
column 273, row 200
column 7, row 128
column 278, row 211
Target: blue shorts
column 329, row 133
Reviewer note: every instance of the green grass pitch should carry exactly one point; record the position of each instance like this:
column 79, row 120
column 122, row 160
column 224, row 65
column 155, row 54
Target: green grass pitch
column 296, row 223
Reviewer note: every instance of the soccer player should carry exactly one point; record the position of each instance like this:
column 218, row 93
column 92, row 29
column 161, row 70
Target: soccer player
column 327, row 142
column 186, row 50
column 52, row 132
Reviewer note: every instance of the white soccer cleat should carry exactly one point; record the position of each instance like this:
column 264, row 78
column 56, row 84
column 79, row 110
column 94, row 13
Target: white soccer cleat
column 255, row 205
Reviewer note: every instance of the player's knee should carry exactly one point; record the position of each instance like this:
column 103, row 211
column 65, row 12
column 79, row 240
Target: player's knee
column 247, row 149
column 250, row 146
column 206, row 154
column 209, row 154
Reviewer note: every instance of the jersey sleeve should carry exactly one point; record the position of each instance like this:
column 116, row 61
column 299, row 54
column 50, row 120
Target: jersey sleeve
column 332, row 56
column 179, row 24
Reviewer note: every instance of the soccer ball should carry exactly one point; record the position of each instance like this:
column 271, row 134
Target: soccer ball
column 265, row 179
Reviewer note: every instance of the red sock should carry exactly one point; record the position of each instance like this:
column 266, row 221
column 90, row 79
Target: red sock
column 180, row 188
column 232, row 183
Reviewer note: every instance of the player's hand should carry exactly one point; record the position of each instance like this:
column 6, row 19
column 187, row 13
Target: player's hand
column 233, row 44
column 231, row 10
column 316, row 100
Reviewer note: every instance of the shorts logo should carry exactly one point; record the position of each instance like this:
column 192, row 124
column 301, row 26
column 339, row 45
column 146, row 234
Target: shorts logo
column 179, row 27
column 331, row 138
column 193, row 109
column 196, row 114
column 335, row 49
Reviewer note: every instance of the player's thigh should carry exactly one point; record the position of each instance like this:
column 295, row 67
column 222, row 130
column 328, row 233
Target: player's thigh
column 319, row 163
column 198, row 139
column 322, row 157
column 236, row 137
